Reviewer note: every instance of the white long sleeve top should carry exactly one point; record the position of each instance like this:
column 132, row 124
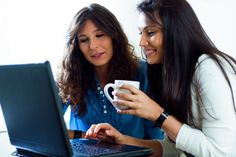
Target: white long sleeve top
column 214, row 133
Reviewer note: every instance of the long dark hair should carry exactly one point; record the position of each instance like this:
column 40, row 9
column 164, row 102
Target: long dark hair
column 76, row 75
column 184, row 40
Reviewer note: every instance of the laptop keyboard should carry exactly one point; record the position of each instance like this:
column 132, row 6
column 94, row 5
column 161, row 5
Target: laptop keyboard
column 89, row 150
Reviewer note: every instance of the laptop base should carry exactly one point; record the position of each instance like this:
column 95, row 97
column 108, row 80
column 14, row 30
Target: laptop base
column 26, row 153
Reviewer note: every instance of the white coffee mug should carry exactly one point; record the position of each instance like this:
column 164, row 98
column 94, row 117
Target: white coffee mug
column 116, row 88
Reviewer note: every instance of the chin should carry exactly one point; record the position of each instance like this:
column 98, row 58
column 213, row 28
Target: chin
column 150, row 61
column 154, row 60
column 100, row 64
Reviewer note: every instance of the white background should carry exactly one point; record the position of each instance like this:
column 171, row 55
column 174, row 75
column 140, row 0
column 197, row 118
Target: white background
column 34, row 30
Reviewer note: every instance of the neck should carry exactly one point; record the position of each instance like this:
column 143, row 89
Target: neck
column 101, row 73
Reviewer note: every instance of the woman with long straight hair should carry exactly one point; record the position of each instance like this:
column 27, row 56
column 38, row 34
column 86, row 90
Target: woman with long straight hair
column 192, row 82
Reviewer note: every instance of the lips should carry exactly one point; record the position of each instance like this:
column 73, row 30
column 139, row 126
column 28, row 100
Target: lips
column 149, row 52
column 98, row 54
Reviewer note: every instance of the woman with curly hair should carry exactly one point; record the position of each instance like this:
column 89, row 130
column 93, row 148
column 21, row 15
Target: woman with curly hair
column 97, row 53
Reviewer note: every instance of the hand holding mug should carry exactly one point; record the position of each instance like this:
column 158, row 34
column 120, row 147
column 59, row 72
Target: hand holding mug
column 137, row 103
column 116, row 87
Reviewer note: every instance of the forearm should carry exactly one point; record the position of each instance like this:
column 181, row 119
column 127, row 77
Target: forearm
column 153, row 144
column 75, row 134
column 171, row 126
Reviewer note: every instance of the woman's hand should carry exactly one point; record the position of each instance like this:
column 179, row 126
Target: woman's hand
column 138, row 103
column 105, row 132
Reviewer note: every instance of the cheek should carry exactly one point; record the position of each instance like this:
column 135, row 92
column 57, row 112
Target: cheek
column 83, row 48
column 111, row 51
column 109, row 47
column 158, row 42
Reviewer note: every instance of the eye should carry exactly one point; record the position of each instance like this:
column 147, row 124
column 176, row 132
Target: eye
column 151, row 33
column 100, row 35
column 83, row 40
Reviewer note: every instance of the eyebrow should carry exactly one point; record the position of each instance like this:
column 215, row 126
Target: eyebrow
column 80, row 35
column 150, row 27
column 96, row 30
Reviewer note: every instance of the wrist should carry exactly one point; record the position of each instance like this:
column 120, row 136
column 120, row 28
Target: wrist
column 155, row 112
column 77, row 134
column 122, row 139
column 160, row 120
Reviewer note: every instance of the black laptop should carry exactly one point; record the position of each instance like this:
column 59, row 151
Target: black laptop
column 34, row 118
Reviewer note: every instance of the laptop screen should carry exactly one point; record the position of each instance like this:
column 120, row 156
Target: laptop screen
column 33, row 114
column 30, row 88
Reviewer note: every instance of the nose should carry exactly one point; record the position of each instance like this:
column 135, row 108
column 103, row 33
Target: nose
column 93, row 44
column 143, row 41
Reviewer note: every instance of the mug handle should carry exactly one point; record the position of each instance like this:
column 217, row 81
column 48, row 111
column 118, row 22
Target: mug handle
column 107, row 86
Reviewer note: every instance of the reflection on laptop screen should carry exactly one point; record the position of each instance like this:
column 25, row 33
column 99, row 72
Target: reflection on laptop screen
column 33, row 114
column 2, row 122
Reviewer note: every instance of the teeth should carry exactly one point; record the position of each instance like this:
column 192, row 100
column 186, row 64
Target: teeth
column 149, row 52
column 96, row 55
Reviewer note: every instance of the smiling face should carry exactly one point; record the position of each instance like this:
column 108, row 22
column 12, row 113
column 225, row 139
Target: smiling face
column 95, row 45
column 151, row 39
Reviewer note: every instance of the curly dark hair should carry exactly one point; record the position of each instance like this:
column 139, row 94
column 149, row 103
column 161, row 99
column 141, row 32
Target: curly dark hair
column 76, row 74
